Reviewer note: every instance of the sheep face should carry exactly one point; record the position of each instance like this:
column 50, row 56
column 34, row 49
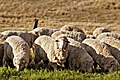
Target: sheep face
column 114, row 66
column 61, row 51
column 20, row 63
column 89, row 66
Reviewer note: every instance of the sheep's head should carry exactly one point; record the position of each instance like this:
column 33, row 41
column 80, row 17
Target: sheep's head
column 114, row 66
column 89, row 66
column 61, row 48
column 20, row 62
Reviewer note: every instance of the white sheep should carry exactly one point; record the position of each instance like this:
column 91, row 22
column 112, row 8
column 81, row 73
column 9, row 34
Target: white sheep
column 74, row 35
column 114, row 45
column 73, row 28
column 100, row 30
column 47, row 48
column 27, row 36
column 101, row 54
column 108, row 34
column 16, row 52
column 78, row 58
column 43, row 31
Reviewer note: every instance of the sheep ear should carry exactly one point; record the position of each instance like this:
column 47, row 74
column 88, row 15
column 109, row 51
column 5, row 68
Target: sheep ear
column 67, row 41
column 56, row 40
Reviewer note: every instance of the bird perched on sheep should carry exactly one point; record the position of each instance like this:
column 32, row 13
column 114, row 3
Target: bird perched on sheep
column 100, row 30
column 74, row 35
column 55, row 50
column 108, row 34
column 27, row 36
column 78, row 58
column 114, row 45
column 35, row 25
column 16, row 52
column 72, row 28
column 101, row 54
column 43, row 31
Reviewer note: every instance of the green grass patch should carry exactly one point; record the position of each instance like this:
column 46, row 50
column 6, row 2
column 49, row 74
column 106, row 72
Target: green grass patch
column 45, row 74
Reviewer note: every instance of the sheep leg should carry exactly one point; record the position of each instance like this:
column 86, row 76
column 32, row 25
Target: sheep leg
column 7, row 63
column 95, row 66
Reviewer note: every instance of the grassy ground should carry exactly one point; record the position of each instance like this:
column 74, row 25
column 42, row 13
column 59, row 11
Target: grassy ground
column 87, row 14
column 44, row 74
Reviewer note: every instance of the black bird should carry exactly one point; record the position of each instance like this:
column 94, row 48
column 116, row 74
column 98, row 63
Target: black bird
column 35, row 23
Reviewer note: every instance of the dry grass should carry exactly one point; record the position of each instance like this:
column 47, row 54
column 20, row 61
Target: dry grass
column 88, row 14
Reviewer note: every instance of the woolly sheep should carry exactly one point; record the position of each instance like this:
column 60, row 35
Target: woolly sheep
column 108, row 34
column 74, row 35
column 73, row 28
column 43, row 31
column 114, row 45
column 47, row 48
column 78, row 58
column 16, row 52
column 27, row 36
column 100, row 30
column 102, row 55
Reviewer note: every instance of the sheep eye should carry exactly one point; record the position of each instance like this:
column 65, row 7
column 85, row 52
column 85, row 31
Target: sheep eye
column 57, row 40
column 36, row 33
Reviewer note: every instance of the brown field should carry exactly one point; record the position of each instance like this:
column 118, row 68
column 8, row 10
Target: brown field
column 88, row 14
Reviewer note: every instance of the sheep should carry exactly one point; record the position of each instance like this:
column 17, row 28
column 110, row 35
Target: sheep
column 108, row 34
column 101, row 53
column 43, row 31
column 100, row 30
column 74, row 35
column 78, row 58
column 4, row 35
column 114, row 45
column 27, row 36
column 16, row 52
column 73, row 28
column 53, row 50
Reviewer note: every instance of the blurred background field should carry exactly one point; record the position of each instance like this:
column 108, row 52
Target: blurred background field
column 88, row 14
